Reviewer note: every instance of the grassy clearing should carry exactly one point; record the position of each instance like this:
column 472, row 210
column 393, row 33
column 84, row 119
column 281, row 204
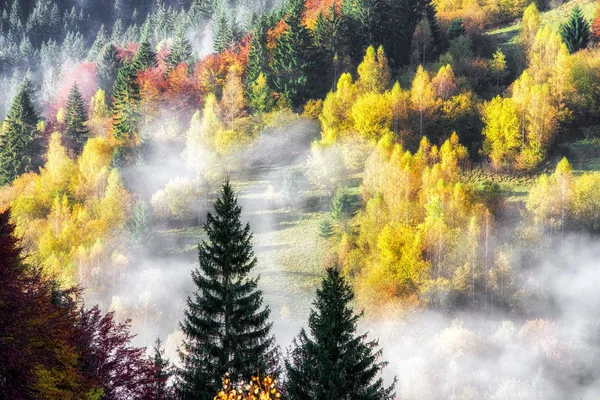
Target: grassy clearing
column 584, row 155
column 512, row 188
column 559, row 15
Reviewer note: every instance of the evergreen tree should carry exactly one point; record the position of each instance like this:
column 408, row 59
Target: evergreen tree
column 326, row 228
column 126, row 97
column 160, row 374
column 98, row 45
column 181, row 51
column 261, row 95
column 226, row 325
column 117, row 32
column 257, row 56
column 576, row 31
column 390, row 23
column 334, row 363
column 328, row 39
column 15, row 21
column 291, row 58
column 18, row 150
column 200, row 10
column 223, row 37
column 108, row 67
column 342, row 205
column 145, row 57
column 76, row 117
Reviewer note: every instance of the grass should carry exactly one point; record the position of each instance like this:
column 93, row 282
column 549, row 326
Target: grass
column 559, row 15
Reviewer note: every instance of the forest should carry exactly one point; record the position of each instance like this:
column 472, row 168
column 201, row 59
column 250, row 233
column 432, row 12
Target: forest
column 299, row 199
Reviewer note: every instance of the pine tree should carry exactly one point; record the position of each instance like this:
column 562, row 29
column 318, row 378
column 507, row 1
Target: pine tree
column 98, row 45
column 126, row 97
column 76, row 133
column 15, row 22
column 223, row 37
column 200, row 10
column 181, row 51
column 145, row 57
column 160, row 374
column 18, row 150
column 291, row 59
column 107, row 67
column 226, row 325
column 326, row 228
column 576, row 32
column 257, row 56
column 328, row 39
column 334, row 363
column 261, row 95
column 342, row 205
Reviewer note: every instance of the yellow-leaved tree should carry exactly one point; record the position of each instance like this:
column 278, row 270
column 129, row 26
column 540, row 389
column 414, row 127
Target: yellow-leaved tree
column 502, row 133
column 422, row 96
column 374, row 73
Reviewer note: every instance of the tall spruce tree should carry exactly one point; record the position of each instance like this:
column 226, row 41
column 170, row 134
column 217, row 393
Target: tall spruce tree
column 227, row 328
column 107, row 67
column 125, row 111
column 223, row 36
column 18, row 149
column 291, row 59
column 181, row 51
column 160, row 374
column 334, row 363
column 145, row 57
column 390, row 23
column 257, row 56
column 76, row 134
column 200, row 10
column 99, row 43
column 576, row 31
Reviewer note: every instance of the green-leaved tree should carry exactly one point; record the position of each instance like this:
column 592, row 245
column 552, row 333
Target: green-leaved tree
column 333, row 362
column 18, row 150
column 226, row 326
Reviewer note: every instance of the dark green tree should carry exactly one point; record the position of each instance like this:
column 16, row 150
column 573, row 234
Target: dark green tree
column 291, row 62
column 76, row 133
column 160, row 374
column 99, row 43
column 456, row 28
column 181, row 51
column 363, row 19
column 200, row 10
column 342, row 205
column 390, row 23
column 19, row 148
column 326, row 228
column 126, row 97
column 576, row 31
column 258, row 55
column 226, row 326
column 328, row 39
column 145, row 57
column 334, row 362
column 107, row 67
column 223, row 36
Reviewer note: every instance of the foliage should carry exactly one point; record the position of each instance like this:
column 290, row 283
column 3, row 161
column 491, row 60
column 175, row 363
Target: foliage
column 255, row 389
column 76, row 133
column 77, row 209
column 227, row 306
column 576, row 31
column 18, row 152
column 333, row 362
